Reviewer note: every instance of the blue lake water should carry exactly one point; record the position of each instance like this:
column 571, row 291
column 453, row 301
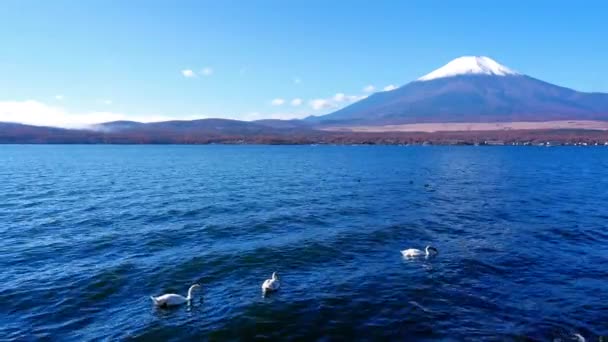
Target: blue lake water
column 90, row 232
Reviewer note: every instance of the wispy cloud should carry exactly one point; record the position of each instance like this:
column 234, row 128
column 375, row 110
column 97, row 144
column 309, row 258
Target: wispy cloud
column 318, row 104
column 278, row 115
column 59, row 97
column 296, row 102
column 297, row 80
column 106, row 102
column 188, row 73
column 37, row 113
column 277, row 102
column 390, row 87
column 207, row 71
column 336, row 101
column 368, row 89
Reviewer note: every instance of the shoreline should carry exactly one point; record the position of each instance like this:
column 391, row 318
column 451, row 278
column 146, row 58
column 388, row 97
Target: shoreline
column 477, row 126
column 571, row 132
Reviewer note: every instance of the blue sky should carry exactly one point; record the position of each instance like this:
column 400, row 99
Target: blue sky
column 74, row 62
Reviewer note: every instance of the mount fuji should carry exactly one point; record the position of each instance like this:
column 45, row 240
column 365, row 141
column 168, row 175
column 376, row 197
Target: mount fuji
column 471, row 89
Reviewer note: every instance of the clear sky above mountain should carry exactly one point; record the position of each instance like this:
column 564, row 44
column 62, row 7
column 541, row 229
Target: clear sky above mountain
column 77, row 62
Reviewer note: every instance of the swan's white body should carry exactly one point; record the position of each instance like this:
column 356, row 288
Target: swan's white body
column 271, row 284
column 172, row 299
column 413, row 252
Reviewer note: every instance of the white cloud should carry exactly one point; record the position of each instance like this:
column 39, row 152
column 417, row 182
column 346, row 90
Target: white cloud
column 296, row 102
column 106, row 102
column 339, row 97
column 280, row 116
column 59, row 97
column 318, row 104
column 390, row 87
column 188, row 73
column 370, row 88
column 207, row 71
column 33, row 112
column 297, row 80
column 336, row 101
column 277, row 102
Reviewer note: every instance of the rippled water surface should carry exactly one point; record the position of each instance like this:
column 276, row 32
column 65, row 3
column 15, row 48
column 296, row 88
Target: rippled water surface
column 90, row 232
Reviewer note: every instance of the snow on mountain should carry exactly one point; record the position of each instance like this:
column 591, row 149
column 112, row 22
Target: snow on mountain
column 469, row 65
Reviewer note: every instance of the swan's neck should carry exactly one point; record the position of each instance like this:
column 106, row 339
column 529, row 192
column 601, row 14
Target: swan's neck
column 426, row 250
column 190, row 291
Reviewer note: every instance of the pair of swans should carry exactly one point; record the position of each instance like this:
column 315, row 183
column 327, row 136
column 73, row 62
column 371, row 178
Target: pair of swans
column 172, row 299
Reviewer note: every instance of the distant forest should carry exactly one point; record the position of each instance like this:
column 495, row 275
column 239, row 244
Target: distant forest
column 24, row 134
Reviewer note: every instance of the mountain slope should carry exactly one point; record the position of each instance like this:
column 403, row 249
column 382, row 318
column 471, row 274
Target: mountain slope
column 472, row 90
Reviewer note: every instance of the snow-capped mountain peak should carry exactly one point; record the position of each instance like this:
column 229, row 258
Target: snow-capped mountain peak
column 469, row 65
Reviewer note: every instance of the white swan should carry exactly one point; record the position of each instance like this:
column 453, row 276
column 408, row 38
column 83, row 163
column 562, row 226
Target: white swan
column 579, row 338
column 271, row 284
column 413, row 252
column 172, row 299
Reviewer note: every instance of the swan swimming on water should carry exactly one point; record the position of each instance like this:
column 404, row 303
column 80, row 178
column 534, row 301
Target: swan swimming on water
column 579, row 338
column 271, row 284
column 413, row 252
column 172, row 299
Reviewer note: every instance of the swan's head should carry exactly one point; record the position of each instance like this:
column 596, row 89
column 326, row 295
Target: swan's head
column 274, row 275
column 431, row 250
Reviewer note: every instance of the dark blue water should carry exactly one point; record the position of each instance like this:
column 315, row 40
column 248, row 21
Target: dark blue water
column 89, row 232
